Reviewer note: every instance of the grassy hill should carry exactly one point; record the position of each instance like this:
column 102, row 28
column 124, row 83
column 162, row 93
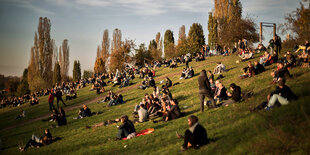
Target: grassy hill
column 234, row 129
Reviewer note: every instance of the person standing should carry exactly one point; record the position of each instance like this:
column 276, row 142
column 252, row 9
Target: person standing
column 204, row 90
column 278, row 45
column 59, row 98
column 51, row 101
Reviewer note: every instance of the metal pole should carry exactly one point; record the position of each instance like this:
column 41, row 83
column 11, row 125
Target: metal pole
column 260, row 32
column 274, row 30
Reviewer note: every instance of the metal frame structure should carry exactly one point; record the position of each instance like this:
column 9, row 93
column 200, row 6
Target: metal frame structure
column 265, row 24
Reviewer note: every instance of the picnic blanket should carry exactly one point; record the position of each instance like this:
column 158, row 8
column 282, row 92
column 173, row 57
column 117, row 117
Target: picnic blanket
column 143, row 132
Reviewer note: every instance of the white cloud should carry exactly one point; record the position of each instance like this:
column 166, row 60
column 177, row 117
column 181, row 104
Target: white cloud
column 30, row 5
column 151, row 7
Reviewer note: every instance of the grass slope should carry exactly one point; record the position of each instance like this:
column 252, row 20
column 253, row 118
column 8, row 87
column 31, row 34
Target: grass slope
column 234, row 129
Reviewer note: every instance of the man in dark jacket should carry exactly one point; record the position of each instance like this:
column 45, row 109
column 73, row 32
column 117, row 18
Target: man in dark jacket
column 195, row 136
column 283, row 95
column 204, row 90
column 235, row 95
column 59, row 98
column 126, row 128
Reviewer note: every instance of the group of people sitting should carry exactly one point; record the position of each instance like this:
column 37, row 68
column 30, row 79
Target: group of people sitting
column 252, row 70
column 187, row 73
column 114, row 99
column 218, row 93
column 58, row 116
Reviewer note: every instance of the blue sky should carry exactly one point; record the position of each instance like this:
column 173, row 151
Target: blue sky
column 82, row 22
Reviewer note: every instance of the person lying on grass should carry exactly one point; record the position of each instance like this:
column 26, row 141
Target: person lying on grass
column 38, row 142
column 194, row 137
column 127, row 129
column 282, row 95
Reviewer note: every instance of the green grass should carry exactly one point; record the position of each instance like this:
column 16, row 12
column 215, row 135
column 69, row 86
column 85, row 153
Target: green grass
column 234, row 129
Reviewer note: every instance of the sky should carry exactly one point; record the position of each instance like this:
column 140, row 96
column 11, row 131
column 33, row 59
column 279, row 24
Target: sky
column 82, row 22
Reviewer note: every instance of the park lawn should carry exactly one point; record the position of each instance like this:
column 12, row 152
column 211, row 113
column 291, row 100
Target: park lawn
column 233, row 129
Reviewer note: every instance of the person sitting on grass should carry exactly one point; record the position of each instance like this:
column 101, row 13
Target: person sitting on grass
column 289, row 60
column 84, row 112
column 220, row 92
column 194, row 137
column 265, row 59
column 61, row 119
column 142, row 114
column 168, row 82
column 235, row 95
column 189, row 73
column 127, row 129
column 34, row 101
column 281, row 72
column 248, row 71
column 22, row 115
column 183, row 73
column 145, row 84
column 258, row 68
column 282, row 95
column 116, row 99
column 174, row 112
column 219, row 68
column 108, row 97
column 38, row 142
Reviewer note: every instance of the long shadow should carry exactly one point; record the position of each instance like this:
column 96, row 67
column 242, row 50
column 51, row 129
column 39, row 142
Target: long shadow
column 230, row 68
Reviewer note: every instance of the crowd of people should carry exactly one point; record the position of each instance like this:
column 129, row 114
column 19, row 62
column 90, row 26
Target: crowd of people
column 160, row 104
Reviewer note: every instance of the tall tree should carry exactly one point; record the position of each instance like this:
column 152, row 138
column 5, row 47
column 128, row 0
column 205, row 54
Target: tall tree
column 169, row 44
column 105, row 46
column 182, row 47
column 64, row 59
column 41, row 60
column 230, row 25
column 117, row 40
column 56, row 74
column 212, row 28
column 196, row 38
column 143, row 55
column 182, row 35
column 88, row 74
column 99, row 66
column 102, row 53
column 76, row 70
column 121, row 56
column 153, row 49
column 297, row 23
column 23, row 87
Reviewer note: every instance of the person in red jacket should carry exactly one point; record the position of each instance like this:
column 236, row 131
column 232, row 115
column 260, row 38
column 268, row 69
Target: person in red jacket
column 51, row 101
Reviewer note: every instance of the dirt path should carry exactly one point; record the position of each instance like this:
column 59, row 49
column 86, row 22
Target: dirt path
column 95, row 100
